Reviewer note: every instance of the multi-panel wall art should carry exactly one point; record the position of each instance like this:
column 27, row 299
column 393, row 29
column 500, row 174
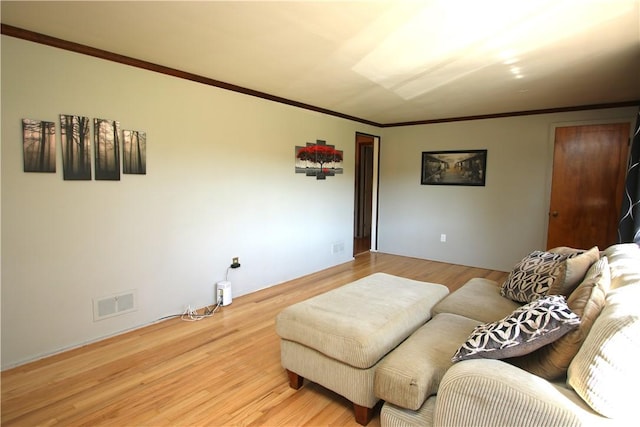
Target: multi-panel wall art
column 319, row 160
column 39, row 148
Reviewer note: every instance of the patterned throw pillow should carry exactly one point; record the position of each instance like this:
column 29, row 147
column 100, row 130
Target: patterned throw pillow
column 587, row 301
column 526, row 329
column 534, row 275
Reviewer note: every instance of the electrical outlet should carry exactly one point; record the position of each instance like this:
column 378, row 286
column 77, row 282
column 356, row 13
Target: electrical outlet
column 443, row 238
column 235, row 262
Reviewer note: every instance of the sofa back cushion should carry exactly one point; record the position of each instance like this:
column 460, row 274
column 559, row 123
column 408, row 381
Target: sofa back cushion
column 623, row 261
column 587, row 301
column 605, row 370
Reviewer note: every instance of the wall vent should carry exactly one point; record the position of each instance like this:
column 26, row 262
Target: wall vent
column 114, row 305
column 337, row 247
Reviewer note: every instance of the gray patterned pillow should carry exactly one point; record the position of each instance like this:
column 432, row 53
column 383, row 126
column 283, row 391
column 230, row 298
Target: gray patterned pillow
column 534, row 275
column 526, row 329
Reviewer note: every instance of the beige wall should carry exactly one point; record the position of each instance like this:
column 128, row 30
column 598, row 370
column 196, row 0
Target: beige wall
column 492, row 226
column 220, row 183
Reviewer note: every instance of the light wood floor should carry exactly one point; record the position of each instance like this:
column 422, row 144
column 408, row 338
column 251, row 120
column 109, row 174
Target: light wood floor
column 221, row 371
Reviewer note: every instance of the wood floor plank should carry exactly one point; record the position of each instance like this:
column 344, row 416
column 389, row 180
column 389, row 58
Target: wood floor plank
column 223, row 370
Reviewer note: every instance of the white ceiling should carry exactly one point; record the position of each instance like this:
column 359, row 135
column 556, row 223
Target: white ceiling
column 380, row 61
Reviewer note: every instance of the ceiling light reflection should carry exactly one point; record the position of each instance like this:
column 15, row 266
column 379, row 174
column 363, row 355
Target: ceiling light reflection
column 449, row 39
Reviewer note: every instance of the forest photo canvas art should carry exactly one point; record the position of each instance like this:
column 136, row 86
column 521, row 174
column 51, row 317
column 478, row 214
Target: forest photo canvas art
column 75, row 138
column 134, row 159
column 107, row 149
column 39, row 145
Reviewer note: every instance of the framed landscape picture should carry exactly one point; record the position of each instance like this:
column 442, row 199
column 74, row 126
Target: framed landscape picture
column 461, row 167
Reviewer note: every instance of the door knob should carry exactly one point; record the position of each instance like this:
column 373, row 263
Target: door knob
column 554, row 214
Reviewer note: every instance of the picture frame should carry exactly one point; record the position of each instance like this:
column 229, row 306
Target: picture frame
column 454, row 167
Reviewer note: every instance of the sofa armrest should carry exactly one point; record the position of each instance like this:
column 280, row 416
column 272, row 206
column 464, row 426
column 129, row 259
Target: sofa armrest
column 485, row 392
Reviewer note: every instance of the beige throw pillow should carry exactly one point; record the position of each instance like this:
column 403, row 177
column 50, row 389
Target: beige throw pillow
column 587, row 301
column 578, row 263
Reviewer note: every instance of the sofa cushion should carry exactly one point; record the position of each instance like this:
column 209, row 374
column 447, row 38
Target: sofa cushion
column 477, row 299
column 397, row 416
column 577, row 265
column 623, row 263
column 526, row 329
column 605, row 370
column 534, row 275
column 412, row 372
column 587, row 301
column 492, row 393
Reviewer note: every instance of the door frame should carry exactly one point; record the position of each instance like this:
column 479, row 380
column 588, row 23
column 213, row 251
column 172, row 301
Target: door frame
column 551, row 146
column 375, row 188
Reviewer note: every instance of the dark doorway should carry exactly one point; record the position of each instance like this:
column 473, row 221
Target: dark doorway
column 364, row 172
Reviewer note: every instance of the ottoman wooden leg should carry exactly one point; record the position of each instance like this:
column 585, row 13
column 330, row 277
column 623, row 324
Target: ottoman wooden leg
column 295, row 380
column 363, row 414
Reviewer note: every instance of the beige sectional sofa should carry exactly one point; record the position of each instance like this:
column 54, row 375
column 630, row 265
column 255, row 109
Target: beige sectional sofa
column 586, row 376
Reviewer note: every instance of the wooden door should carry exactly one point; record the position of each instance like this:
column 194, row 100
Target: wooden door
column 589, row 165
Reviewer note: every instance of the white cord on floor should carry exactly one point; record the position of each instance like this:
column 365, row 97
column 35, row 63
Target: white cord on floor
column 190, row 315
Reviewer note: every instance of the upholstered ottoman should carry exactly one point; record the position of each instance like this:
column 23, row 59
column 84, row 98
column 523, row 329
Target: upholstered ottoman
column 337, row 339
